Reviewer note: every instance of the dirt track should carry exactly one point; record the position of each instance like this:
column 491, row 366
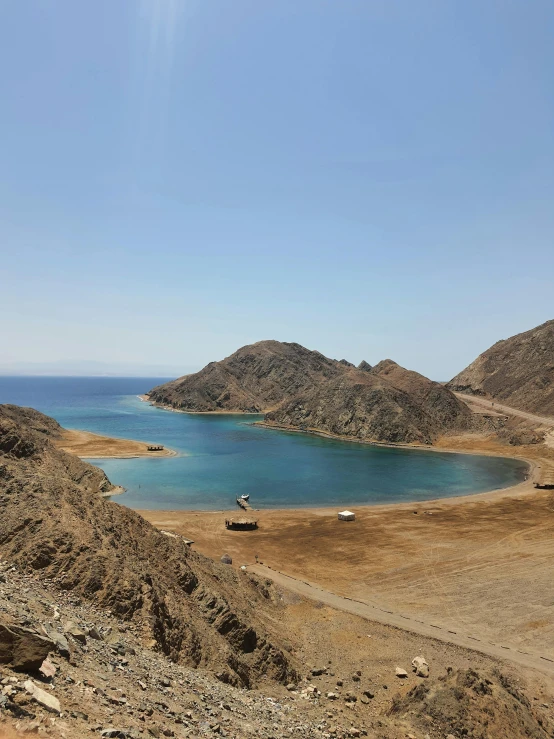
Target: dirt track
column 508, row 410
column 381, row 615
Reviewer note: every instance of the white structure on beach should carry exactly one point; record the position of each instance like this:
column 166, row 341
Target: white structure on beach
column 347, row 516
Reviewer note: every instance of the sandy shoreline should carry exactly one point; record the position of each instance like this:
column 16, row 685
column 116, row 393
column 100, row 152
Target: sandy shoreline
column 163, row 407
column 87, row 445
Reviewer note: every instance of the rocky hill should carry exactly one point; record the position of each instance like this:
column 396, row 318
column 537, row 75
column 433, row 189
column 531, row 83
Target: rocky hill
column 386, row 403
column 55, row 521
column 518, row 372
column 299, row 388
column 254, row 379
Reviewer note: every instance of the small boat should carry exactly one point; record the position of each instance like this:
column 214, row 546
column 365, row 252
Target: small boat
column 244, row 497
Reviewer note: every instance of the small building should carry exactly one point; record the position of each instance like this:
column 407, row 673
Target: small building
column 347, row 516
column 155, row 448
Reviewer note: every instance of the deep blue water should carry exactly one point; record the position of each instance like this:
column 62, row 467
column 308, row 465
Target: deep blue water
column 225, row 456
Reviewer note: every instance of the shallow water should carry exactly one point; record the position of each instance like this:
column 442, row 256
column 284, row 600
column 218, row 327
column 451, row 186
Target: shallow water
column 221, row 457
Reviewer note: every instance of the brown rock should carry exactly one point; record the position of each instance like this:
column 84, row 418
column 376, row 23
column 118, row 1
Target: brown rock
column 47, row 669
column 77, row 633
column 22, row 649
column 46, row 700
column 302, row 389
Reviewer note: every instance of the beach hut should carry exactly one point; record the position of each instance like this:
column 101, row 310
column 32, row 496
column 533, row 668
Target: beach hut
column 227, row 559
column 347, row 516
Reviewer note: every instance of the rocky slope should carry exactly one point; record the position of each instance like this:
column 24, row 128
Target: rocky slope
column 95, row 677
column 386, row 403
column 518, row 372
column 299, row 388
column 55, row 521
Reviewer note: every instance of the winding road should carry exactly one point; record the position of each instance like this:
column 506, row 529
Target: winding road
column 493, row 405
column 406, row 623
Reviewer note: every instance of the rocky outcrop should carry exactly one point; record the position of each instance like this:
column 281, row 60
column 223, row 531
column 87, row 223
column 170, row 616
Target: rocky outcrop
column 299, row 388
column 54, row 520
column 471, row 704
column 518, row 372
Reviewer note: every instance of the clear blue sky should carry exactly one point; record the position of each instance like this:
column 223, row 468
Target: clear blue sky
column 181, row 177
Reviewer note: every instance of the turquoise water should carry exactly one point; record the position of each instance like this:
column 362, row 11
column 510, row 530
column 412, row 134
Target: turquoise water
column 222, row 457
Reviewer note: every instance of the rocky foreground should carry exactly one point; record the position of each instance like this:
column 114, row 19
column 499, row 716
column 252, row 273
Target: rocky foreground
column 518, row 372
column 70, row 669
column 301, row 389
column 54, row 521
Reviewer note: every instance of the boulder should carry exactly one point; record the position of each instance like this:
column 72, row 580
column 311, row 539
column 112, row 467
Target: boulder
column 76, row 632
column 46, row 700
column 94, row 633
column 47, row 669
column 60, row 642
column 420, row 666
column 317, row 671
column 401, row 673
column 22, row 649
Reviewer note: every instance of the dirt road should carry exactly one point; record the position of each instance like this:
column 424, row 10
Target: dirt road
column 406, row 623
column 509, row 411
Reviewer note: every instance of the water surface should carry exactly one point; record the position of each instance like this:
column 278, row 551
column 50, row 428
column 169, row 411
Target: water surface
column 224, row 456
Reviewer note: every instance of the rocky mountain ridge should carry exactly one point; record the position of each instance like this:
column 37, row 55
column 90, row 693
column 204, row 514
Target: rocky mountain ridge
column 303, row 389
column 518, row 371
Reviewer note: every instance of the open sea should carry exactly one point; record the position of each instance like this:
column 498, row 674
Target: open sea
column 221, row 457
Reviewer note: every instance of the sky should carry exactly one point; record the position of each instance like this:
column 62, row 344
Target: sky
column 179, row 178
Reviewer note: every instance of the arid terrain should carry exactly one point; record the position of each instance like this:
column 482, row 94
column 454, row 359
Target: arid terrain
column 453, row 563
column 428, row 620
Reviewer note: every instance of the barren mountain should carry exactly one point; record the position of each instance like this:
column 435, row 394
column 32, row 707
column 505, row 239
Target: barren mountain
column 54, row 520
column 518, row 371
column 300, row 388
column 254, row 379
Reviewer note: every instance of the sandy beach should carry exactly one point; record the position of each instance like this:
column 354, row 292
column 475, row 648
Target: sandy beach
column 93, row 446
